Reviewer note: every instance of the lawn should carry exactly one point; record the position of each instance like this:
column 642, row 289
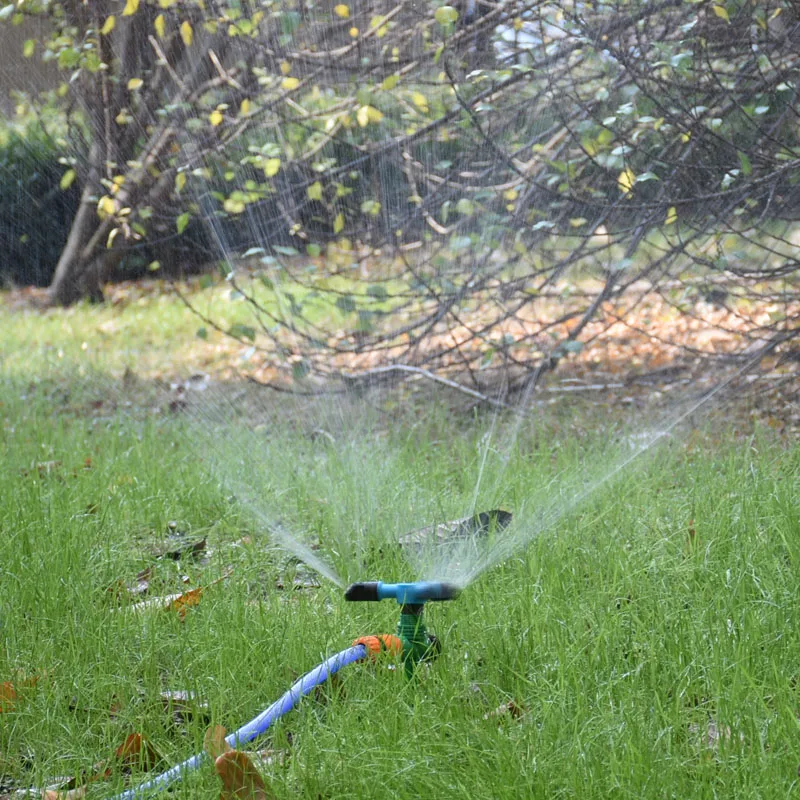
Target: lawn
column 640, row 645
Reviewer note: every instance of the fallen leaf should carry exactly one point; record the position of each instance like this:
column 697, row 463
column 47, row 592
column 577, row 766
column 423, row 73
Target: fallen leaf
column 511, row 708
column 8, row 691
column 183, row 706
column 136, row 751
column 713, row 735
column 214, row 742
column 70, row 794
column 8, row 696
column 467, row 528
column 141, row 587
column 240, row 779
column 192, row 550
column 56, row 789
column 183, row 602
column 180, row 602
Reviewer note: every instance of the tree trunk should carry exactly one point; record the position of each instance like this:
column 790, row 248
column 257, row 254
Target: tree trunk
column 73, row 278
column 78, row 273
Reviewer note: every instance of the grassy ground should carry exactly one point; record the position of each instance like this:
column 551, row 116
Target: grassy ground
column 646, row 641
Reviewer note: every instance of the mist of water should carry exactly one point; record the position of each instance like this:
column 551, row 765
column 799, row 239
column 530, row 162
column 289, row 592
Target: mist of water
column 463, row 560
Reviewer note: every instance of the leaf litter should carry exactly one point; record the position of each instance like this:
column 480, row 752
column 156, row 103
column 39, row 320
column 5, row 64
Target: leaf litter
column 135, row 753
column 240, row 770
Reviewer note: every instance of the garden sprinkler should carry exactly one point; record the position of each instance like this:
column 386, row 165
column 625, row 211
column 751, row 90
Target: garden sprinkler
column 413, row 641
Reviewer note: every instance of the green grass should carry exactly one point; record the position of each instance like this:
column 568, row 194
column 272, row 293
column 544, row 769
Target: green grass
column 658, row 612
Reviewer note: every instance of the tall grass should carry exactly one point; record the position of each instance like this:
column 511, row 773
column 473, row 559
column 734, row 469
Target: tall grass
column 648, row 640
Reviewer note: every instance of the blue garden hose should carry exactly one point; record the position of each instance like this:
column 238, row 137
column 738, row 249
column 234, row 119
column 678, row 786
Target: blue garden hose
column 256, row 726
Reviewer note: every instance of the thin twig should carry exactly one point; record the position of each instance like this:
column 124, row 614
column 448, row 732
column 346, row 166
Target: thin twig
column 431, row 376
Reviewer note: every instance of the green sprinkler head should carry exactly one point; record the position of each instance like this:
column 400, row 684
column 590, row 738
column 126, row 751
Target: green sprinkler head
column 418, row 644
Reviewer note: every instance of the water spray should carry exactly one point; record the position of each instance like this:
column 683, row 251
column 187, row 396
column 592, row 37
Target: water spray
column 414, row 642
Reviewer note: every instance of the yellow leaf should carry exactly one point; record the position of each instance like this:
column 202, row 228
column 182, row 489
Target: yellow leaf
column 187, row 34
column 106, row 207
column 342, row 11
column 721, row 12
column 672, row 216
column 135, row 83
column 215, row 117
column 420, row 101
column 354, row 33
column 518, row 24
column 108, row 25
column 131, row 7
column 290, row 83
column 286, row 67
column 111, row 236
column 244, row 109
column 160, row 24
column 389, row 82
column 28, row 48
column 374, row 115
column 67, row 179
column 510, row 195
column 166, row 3
column 314, row 191
column 338, row 223
column 233, row 206
column 271, row 167
column 626, row 180
column 180, row 181
column 362, row 116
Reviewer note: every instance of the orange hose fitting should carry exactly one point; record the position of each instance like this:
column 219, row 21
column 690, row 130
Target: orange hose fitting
column 382, row 643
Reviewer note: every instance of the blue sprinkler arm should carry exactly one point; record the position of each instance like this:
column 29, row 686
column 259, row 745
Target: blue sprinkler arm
column 406, row 594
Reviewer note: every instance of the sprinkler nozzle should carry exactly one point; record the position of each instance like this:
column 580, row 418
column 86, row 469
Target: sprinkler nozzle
column 407, row 594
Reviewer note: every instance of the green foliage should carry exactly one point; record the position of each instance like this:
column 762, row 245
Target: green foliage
column 35, row 213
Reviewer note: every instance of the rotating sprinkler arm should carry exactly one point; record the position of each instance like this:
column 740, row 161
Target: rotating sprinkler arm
column 407, row 594
column 416, row 642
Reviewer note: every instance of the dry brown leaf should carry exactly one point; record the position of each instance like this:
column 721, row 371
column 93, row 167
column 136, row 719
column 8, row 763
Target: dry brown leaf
column 240, row 779
column 214, row 742
column 8, row 696
column 180, row 602
column 8, row 691
column 136, row 751
column 511, row 708
column 156, row 603
column 185, row 601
